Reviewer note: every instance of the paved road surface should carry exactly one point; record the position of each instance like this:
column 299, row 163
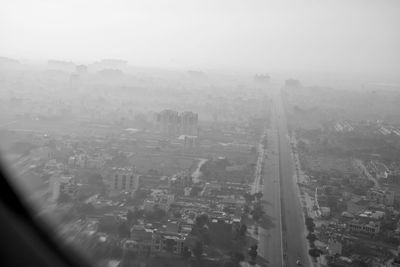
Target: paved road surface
column 294, row 245
column 270, row 232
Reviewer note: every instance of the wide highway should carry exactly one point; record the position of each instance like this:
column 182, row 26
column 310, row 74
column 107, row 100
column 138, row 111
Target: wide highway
column 293, row 226
column 282, row 236
column 270, row 230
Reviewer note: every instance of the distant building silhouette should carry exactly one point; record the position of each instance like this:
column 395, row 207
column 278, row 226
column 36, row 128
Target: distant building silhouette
column 292, row 83
column 81, row 69
column 168, row 122
column 189, row 123
column 262, row 78
column 172, row 124
column 61, row 65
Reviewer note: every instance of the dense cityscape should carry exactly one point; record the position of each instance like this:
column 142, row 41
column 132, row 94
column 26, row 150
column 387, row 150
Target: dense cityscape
column 291, row 181
column 186, row 133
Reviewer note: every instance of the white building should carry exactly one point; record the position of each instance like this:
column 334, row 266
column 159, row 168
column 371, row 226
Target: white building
column 359, row 226
column 168, row 242
column 62, row 184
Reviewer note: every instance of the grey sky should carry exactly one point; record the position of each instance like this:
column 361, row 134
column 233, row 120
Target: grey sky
column 339, row 35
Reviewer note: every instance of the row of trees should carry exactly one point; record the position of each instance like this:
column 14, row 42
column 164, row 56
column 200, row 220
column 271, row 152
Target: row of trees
column 314, row 252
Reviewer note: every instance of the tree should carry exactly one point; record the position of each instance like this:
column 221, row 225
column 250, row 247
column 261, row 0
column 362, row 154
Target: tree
column 258, row 211
column 242, row 230
column 195, row 191
column 201, row 220
column 156, row 214
column 246, row 209
column 130, row 216
column 311, row 237
column 159, row 213
column 128, row 256
column 186, row 253
column 360, row 263
column 253, row 254
column 85, row 209
column 258, row 196
column 169, row 245
column 116, row 251
column 198, row 250
column 249, row 197
column 123, row 230
column 138, row 214
column 310, row 224
column 314, row 252
column 236, row 258
column 95, row 179
column 64, row 198
column 177, row 214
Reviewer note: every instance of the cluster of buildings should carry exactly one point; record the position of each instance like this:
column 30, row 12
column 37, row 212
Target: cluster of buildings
column 63, row 185
column 366, row 127
column 96, row 175
column 159, row 198
column 368, row 222
column 171, row 238
column 356, row 209
column 378, row 169
column 84, row 160
column 172, row 123
column 124, row 179
column 371, row 219
column 343, row 126
column 155, row 237
column 147, row 240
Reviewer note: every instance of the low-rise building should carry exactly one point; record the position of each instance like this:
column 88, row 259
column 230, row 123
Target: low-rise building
column 140, row 240
column 160, row 199
column 168, row 242
column 375, row 215
column 325, row 212
column 378, row 196
column 334, row 247
column 95, row 162
column 360, row 226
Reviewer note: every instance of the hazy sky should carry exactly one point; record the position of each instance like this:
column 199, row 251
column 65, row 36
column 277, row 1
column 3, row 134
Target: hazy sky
column 337, row 35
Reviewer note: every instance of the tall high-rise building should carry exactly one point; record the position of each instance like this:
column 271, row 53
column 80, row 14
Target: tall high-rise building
column 171, row 123
column 189, row 123
column 124, row 179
